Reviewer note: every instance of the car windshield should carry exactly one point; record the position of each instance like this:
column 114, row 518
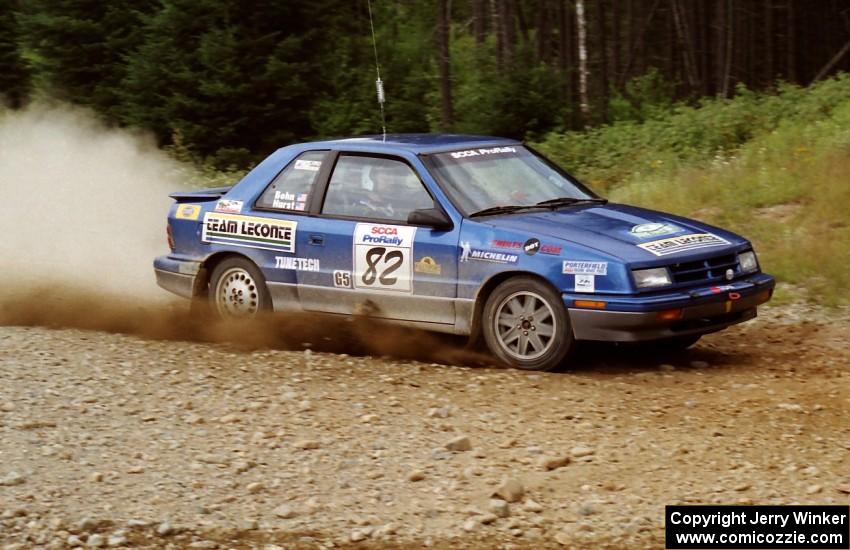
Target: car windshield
column 505, row 178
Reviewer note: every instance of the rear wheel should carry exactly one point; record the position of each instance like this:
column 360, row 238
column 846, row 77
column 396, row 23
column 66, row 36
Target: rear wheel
column 526, row 325
column 238, row 290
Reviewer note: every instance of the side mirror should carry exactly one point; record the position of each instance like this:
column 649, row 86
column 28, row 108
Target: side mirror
column 430, row 217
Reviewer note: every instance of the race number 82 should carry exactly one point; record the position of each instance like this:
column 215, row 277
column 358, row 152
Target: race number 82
column 380, row 266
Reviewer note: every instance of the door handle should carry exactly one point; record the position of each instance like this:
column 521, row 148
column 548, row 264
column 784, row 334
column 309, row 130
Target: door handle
column 317, row 240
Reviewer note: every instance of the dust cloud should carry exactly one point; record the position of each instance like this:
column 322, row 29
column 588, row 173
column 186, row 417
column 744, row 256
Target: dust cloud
column 83, row 215
column 82, row 204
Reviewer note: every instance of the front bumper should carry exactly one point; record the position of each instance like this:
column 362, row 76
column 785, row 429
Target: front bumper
column 177, row 275
column 638, row 318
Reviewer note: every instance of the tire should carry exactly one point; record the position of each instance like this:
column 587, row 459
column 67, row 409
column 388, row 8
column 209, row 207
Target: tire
column 238, row 290
column 516, row 319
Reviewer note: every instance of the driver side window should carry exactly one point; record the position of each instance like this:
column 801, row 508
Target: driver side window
column 375, row 188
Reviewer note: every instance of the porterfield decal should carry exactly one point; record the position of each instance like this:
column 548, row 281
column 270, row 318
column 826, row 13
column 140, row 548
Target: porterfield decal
column 250, row 231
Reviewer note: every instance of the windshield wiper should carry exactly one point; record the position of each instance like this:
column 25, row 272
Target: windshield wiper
column 503, row 209
column 569, row 201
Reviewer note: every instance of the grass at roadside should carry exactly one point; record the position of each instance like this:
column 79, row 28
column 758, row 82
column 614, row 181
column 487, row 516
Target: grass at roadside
column 786, row 186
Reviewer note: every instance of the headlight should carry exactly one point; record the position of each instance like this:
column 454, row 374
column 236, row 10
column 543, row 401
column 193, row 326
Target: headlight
column 646, row 278
column 748, row 262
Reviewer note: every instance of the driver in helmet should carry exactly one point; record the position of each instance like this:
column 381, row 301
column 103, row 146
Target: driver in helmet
column 377, row 201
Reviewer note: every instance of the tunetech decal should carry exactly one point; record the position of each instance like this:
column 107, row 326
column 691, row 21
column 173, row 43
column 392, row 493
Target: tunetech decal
column 253, row 232
column 663, row 247
column 576, row 267
column 296, row 264
column 382, row 257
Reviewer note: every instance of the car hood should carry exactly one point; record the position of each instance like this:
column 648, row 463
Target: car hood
column 611, row 229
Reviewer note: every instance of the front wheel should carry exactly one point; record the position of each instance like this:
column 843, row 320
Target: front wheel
column 238, row 290
column 526, row 325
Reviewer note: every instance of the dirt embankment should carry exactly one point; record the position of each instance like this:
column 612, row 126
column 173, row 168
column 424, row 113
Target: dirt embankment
column 141, row 442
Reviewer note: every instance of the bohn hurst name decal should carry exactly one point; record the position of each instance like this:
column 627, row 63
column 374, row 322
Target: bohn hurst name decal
column 382, row 257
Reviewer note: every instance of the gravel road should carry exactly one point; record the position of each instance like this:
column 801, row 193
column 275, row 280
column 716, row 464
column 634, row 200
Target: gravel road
column 115, row 440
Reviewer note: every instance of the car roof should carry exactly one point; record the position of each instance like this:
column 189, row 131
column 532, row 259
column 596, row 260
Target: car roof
column 415, row 143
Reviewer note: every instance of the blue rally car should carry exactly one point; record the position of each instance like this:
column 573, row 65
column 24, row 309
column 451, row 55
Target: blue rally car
column 460, row 234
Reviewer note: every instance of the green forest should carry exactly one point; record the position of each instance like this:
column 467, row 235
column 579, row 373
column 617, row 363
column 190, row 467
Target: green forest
column 231, row 80
column 735, row 112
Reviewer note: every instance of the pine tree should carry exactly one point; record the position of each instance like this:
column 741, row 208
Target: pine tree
column 14, row 73
column 79, row 46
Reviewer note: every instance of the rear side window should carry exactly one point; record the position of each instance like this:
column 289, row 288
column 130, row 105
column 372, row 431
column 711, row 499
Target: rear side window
column 291, row 189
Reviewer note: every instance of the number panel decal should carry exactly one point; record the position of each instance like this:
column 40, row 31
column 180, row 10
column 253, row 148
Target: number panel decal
column 382, row 257
column 342, row 278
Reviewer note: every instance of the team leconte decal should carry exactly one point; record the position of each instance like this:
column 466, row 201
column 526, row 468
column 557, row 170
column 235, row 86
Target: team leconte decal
column 646, row 230
column 253, row 232
column 228, row 206
column 309, row 165
column 576, row 267
column 585, row 283
column 428, row 265
column 684, row 243
column 482, row 152
column 342, row 279
column 382, row 257
column 290, row 201
column 296, row 264
column 188, row 211
column 481, row 255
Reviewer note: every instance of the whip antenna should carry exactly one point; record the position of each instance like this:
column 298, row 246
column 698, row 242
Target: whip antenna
column 379, row 84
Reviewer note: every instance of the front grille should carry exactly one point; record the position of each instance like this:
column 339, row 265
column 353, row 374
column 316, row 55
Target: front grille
column 704, row 271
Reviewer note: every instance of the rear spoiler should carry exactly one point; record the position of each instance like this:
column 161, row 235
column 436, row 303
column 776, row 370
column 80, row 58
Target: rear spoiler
column 201, row 195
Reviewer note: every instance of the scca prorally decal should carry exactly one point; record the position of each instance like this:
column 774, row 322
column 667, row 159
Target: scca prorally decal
column 672, row 245
column 253, row 232
column 382, row 257
column 228, row 206
column 482, row 152
column 578, row 267
column 296, row 264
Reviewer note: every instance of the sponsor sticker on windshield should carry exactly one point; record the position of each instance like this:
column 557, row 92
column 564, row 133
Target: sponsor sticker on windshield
column 253, row 232
column 484, row 151
column 684, row 243
column 577, row 267
column 308, row 165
